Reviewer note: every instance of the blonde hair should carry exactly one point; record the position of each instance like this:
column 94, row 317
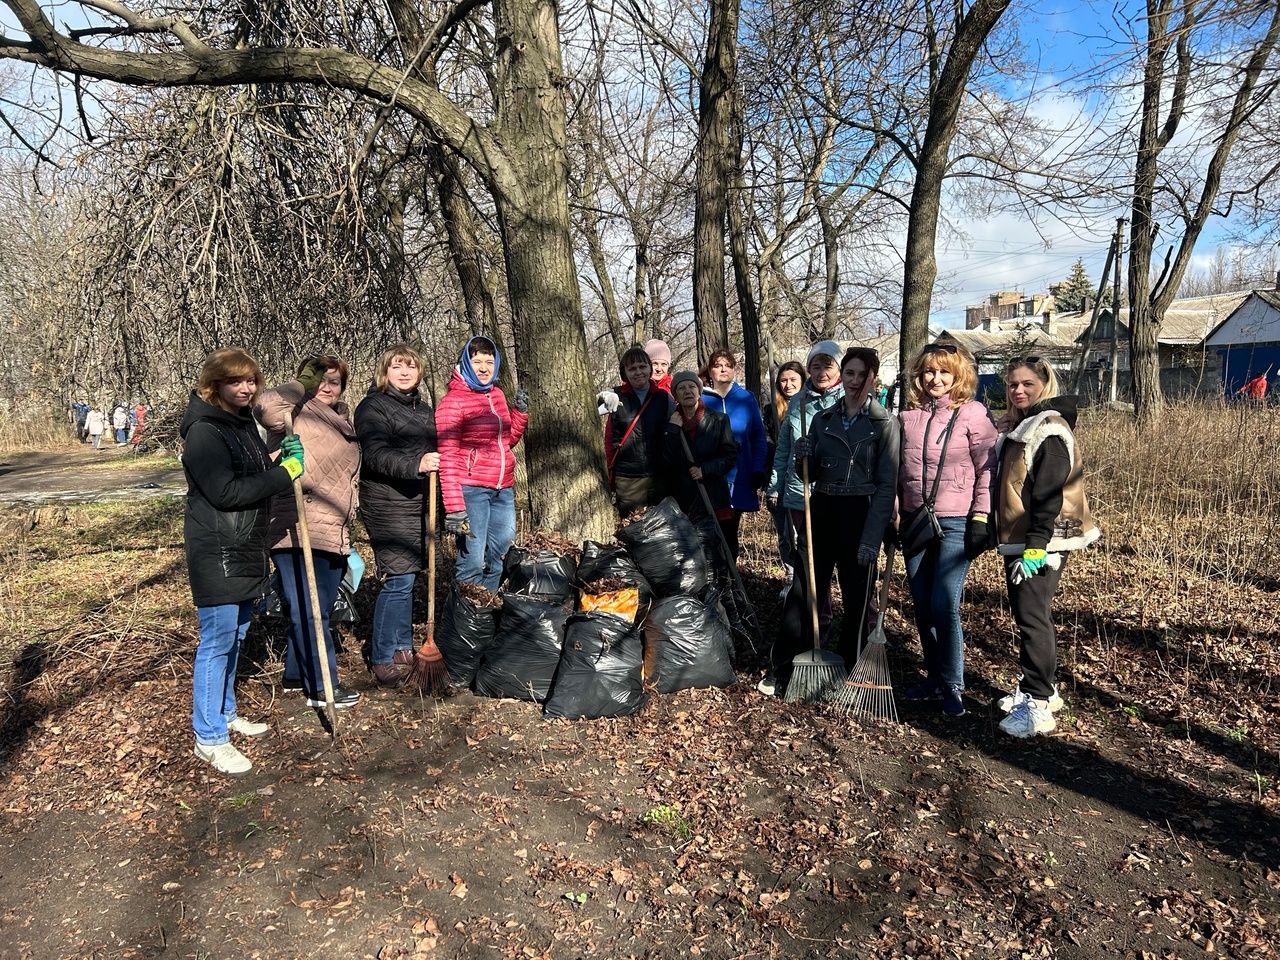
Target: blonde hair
column 221, row 366
column 397, row 351
column 960, row 364
column 1044, row 373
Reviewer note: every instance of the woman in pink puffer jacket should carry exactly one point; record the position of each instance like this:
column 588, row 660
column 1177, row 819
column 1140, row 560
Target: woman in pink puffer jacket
column 941, row 385
column 476, row 431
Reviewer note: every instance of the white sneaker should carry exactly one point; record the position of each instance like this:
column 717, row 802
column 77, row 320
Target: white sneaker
column 225, row 758
column 1011, row 700
column 247, row 728
column 1028, row 718
column 768, row 686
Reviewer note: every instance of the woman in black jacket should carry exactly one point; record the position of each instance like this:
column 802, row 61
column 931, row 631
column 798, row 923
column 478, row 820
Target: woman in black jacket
column 230, row 479
column 709, row 437
column 852, row 450
column 397, row 431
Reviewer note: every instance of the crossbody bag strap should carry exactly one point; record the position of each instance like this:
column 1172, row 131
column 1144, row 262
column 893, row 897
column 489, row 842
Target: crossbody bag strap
column 942, row 458
column 627, row 433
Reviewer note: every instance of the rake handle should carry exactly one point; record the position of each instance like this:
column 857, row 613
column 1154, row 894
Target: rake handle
column 317, row 618
column 808, row 536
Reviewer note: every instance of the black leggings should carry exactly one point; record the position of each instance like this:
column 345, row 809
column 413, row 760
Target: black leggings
column 838, row 524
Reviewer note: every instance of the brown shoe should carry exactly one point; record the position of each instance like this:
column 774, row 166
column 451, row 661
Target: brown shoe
column 390, row 674
column 403, row 656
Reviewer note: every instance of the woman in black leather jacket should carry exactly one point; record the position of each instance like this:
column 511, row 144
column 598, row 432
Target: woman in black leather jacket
column 230, row 479
column 852, row 449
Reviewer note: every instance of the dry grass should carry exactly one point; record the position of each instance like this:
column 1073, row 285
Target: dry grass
column 20, row 435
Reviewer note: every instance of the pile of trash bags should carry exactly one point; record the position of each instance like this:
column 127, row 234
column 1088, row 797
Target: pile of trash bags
column 586, row 638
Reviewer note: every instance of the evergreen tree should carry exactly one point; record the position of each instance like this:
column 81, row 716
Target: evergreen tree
column 1072, row 294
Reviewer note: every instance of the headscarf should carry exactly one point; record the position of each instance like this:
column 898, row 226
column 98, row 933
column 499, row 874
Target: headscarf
column 468, row 372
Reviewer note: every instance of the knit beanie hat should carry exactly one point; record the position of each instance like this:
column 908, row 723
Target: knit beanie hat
column 657, row 350
column 682, row 376
column 824, row 348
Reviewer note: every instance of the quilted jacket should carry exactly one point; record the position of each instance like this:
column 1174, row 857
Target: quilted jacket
column 477, row 431
column 329, row 485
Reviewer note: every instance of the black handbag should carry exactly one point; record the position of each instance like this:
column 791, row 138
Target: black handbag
column 920, row 527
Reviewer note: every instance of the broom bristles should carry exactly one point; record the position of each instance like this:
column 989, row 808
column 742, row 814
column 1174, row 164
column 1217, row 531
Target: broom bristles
column 815, row 677
column 429, row 674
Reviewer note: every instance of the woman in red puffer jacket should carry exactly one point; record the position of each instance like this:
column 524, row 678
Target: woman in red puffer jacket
column 476, row 432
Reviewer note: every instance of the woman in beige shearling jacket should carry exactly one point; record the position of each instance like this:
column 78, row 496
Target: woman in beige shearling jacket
column 329, row 489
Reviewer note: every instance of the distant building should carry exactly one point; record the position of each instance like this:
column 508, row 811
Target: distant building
column 1007, row 310
column 1247, row 341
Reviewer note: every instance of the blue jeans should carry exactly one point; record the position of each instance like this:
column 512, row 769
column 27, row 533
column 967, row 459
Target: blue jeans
column 393, row 618
column 936, row 575
column 492, row 515
column 213, row 701
column 301, row 660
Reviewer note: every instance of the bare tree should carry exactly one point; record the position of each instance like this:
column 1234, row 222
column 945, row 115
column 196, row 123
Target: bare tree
column 516, row 144
column 1177, row 71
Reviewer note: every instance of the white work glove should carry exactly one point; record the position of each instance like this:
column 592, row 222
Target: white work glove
column 607, row 402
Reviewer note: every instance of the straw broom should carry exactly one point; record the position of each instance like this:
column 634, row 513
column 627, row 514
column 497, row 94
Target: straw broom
column 817, row 672
column 429, row 673
column 869, row 689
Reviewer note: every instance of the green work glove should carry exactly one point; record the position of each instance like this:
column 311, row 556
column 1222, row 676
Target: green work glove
column 291, row 446
column 294, row 466
column 1032, row 561
column 312, row 373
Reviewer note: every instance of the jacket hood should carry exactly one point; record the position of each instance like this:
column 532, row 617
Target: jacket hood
column 199, row 409
column 1066, row 407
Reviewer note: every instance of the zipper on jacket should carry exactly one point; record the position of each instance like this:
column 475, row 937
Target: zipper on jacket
column 502, row 453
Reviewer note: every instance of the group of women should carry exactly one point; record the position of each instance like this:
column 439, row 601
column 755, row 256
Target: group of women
column 1016, row 484
column 242, row 510
column 699, row 437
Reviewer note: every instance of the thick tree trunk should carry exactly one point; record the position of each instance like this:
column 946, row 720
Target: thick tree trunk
column 715, row 114
column 920, row 268
column 567, row 489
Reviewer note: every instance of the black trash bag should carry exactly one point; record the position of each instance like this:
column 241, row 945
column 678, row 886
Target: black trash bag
column 344, row 606
column 539, row 573
column 464, row 633
column 687, row 645
column 521, row 662
column 600, row 562
column 599, row 671
column 273, row 603
column 664, row 545
column 713, row 550
column 724, row 605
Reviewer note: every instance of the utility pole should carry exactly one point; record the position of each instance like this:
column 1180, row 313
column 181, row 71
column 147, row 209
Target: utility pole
column 1115, row 310
column 1083, row 362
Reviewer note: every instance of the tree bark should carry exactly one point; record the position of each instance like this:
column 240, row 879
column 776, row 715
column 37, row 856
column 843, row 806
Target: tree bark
column 715, row 114
column 920, row 267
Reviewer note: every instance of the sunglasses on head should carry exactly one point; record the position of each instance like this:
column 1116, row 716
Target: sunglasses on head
column 942, row 348
column 1025, row 362
column 326, row 357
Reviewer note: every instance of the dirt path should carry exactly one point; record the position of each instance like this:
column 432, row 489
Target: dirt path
column 80, row 474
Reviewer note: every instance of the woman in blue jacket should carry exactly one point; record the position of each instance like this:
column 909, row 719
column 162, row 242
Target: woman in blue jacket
column 724, row 395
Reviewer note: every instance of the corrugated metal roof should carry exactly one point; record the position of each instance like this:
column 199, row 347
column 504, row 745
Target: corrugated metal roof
column 996, row 346
column 1187, row 321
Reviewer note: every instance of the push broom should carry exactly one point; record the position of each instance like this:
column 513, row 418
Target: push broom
column 817, row 672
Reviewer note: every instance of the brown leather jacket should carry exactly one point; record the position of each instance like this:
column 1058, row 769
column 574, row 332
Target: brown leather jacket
column 330, row 483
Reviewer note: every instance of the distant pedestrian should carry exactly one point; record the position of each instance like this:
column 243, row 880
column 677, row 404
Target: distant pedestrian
column 79, row 413
column 1256, row 389
column 95, row 422
column 120, row 424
